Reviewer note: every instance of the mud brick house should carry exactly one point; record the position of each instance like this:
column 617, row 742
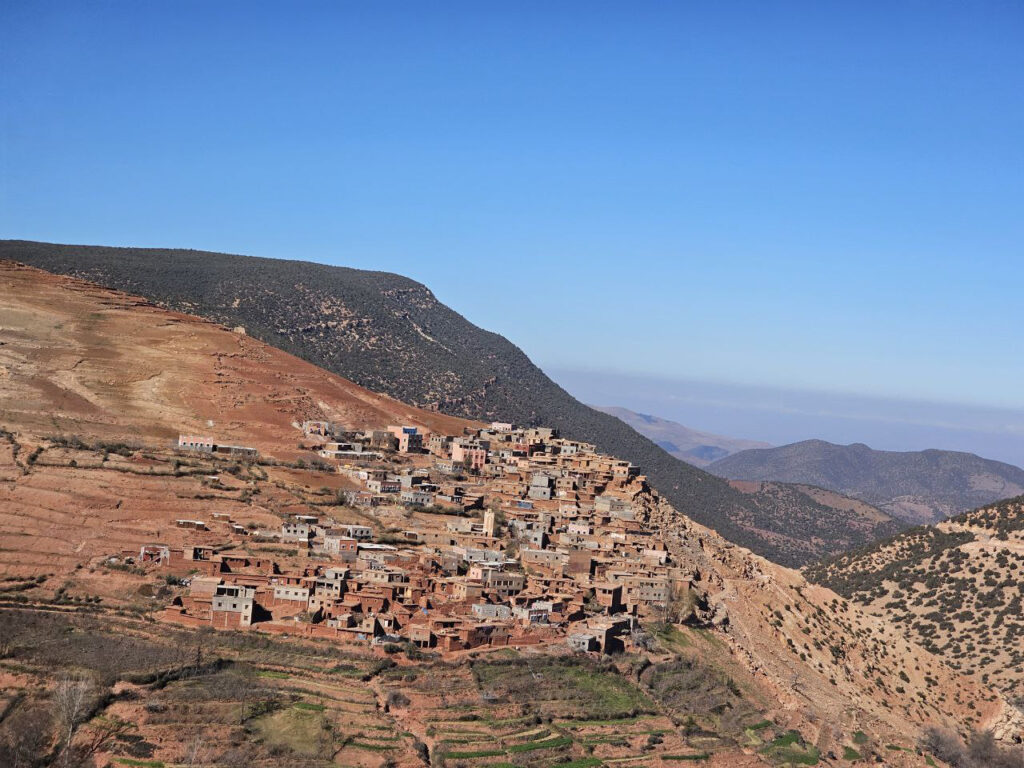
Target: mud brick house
column 241, row 562
column 642, row 593
column 547, row 559
column 440, row 446
column 321, row 428
column 290, row 594
column 421, row 636
column 237, row 452
column 610, row 632
column 155, row 553
column 383, row 440
column 612, row 506
column 341, row 545
column 609, row 596
column 197, row 553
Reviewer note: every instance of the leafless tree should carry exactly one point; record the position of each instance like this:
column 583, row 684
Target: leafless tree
column 72, row 701
column 195, row 751
column 26, row 737
column 100, row 733
column 6, row 637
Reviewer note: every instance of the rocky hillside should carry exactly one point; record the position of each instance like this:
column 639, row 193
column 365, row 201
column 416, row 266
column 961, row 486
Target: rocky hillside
column 828, row 675
column 818, row 650
column 821, row 513
column 916, row 486
column 690, row 445
column 390, row 334
column 954, row 587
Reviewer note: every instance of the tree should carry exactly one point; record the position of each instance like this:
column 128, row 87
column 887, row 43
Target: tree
column 72, row 701
column 195, row 751
column 26, row 737
column 983, row 749
column 100, row 733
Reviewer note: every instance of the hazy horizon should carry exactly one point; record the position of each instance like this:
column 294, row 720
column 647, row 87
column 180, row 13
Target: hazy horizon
column 781, row 416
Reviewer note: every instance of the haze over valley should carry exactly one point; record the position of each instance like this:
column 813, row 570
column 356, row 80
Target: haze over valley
column 781, row 416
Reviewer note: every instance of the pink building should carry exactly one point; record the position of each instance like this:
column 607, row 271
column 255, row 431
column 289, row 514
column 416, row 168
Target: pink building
column 471, row 455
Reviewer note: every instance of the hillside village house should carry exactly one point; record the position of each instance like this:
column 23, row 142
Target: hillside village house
column 409, row 439
column 471, row 454
column 196, row 443
column 233, row 606
column 203, row 444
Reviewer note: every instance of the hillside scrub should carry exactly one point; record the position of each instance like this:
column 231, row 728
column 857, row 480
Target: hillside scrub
column 980, row 751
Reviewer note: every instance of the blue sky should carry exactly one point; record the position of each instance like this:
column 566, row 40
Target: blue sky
column 822, row 196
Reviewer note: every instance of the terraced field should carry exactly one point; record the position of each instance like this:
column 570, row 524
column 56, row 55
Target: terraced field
column 202, row 698
column 164, row 697
column 533, row 708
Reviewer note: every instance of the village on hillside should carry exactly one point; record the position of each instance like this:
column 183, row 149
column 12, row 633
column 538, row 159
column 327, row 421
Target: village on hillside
column 508, row 537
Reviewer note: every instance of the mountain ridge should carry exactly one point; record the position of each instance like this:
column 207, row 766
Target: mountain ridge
column 915, row 486
column 690, row 445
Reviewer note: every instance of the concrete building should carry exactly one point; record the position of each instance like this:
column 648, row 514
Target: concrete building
column 471, row 454
column 541, row 486
column 489, row 611
column 232, row 606
column 582, row 642
column 358, row 532
column 409, row 439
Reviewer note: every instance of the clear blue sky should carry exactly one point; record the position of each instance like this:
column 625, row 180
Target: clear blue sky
column 799, row 194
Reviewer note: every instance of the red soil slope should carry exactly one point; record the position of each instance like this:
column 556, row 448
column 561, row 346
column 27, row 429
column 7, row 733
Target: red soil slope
column 78, row 358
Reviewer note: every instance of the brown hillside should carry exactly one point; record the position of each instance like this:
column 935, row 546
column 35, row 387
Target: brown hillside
column 77, row 358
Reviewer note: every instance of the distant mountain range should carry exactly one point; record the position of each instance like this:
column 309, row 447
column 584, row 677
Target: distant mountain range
column 914, row 486
column 390, row 334
column 690, row 445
